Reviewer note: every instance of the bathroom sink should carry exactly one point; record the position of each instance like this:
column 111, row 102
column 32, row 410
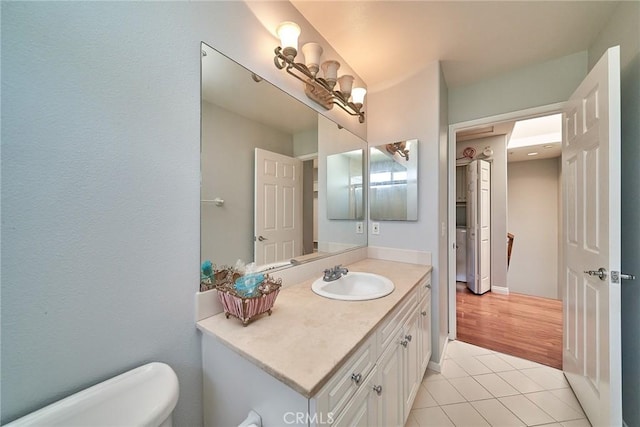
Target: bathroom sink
column 354, row 286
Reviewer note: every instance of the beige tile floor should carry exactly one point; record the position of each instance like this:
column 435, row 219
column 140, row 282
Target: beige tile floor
column 480, row 387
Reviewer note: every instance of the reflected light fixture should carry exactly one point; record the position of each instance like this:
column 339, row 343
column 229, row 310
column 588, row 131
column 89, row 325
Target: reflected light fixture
column 400, row 148
column 319, row 89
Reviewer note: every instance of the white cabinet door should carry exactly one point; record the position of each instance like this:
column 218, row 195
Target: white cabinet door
column 362, row 409
column 390, row 378
column 411, row 363
column 424, row 332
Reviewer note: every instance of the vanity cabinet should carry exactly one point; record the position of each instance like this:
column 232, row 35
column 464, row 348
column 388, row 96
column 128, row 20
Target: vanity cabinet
column 375, row 386
column 387, row 394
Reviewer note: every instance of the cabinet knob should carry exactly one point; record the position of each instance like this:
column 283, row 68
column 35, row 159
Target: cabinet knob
column 356, row 378
column 424, row 313
column 408, row 337
column 428, row 286
column 404, row 343
column 377, row 389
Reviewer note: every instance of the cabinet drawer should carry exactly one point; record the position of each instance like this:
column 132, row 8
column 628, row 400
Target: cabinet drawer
column 425, row 286
column 337, row 392
column 393, row 322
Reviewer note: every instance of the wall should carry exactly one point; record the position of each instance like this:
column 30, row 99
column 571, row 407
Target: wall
column 623, row 30
column 228, row 142
column 101, row 186
column 532, row 194
column 498, row 202
column 540, row 84
column 413, row 109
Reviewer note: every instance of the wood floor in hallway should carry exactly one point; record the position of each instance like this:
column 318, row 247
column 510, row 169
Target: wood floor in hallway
column 520, row 325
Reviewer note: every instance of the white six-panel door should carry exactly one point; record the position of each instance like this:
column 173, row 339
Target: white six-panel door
column 591, row 240
column 278, row 207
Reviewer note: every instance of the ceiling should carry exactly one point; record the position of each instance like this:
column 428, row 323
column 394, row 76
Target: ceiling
column 388, row 41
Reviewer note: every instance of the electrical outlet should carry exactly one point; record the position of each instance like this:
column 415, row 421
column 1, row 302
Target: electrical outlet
column 375, row 228
column 359, row 227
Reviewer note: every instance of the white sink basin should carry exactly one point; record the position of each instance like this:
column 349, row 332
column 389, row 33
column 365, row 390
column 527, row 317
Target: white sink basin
column 354, row 286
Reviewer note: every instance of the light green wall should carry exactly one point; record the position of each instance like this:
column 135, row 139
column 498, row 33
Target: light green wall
column 540, row 84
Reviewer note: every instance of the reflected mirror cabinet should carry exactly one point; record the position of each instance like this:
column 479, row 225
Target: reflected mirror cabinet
column 266, row 159
column 393, row 181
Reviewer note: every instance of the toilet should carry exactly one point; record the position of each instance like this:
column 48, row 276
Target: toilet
column 144, row 396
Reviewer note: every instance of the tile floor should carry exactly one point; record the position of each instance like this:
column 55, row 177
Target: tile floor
column 480, row 387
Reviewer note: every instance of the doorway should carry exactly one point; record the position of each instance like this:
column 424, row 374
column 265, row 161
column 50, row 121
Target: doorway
column 485, row 133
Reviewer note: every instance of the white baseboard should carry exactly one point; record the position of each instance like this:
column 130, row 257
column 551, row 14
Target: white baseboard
column 502, row 290
column 400, row 255
column 437, row 365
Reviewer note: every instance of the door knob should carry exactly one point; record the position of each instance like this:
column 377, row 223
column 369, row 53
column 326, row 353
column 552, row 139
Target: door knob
column 356, row 378
column 262, row 239
column 601, row 273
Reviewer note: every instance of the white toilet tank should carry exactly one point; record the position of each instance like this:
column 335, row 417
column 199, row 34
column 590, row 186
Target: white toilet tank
column 144, row 396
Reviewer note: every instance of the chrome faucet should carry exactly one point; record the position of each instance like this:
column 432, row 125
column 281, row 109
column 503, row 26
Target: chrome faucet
column 331, row 274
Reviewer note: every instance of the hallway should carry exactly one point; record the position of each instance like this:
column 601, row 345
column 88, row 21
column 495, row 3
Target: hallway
column 519, row 325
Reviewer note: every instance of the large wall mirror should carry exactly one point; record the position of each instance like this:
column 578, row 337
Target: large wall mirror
column 393, row 181
column 263, row 167
column 344, row 185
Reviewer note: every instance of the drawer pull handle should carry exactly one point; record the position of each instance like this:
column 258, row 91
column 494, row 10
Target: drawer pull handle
column 356, row 378
column 408, row 337
column 424, row 313
column 404, row 343
column 377, row 389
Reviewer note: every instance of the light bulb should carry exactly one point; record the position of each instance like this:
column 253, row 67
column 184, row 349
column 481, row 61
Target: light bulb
column 330, row 69
column 357, row 95
column 346, row 83
column 312, row 52
column 288, row 33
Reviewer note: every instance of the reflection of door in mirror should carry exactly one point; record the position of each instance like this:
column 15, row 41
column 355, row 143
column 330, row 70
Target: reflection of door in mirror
column 393, row 181
column 278, row 212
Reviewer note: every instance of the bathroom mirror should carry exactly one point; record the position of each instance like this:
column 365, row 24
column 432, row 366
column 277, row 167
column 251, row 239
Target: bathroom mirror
column 241, row 113
column 393, row 181
column 344, row 185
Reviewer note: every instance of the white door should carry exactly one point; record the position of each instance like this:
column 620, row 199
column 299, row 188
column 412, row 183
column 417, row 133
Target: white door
column 591, row 240
column 278, row 207
column 484, row 225
column 479, row 226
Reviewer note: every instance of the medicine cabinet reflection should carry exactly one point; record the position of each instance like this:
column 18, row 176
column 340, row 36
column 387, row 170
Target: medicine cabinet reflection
column 393, row 181
column 345, row 199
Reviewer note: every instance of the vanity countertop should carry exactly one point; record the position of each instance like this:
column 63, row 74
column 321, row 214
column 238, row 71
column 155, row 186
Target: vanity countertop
column 308, row 337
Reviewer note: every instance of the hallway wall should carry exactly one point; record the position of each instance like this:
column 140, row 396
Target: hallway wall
column 533, row 215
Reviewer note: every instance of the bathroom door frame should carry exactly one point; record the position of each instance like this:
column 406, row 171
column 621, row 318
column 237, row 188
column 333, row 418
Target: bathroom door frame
column 544, row 110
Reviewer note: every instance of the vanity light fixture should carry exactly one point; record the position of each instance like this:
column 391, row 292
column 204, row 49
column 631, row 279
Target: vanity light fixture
column 398, row 147
column 319, row 89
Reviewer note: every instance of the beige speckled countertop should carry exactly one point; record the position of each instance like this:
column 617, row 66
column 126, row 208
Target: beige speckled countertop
column 308, row 337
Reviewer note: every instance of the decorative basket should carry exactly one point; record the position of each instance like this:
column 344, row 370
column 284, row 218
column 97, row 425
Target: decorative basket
column 245, row 308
